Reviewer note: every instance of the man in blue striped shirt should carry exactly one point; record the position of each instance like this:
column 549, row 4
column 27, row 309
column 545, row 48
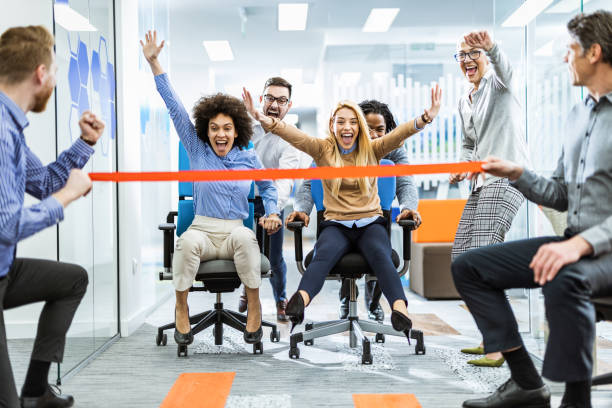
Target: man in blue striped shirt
column 27, row 80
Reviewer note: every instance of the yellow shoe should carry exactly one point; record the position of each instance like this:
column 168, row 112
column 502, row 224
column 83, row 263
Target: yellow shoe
column 474, row 350
column 487, row 362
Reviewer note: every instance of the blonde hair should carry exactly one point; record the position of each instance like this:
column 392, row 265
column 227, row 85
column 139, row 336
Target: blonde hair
column 22, row 50
column 365, row 153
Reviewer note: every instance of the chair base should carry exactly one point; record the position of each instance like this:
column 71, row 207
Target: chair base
column 217, row 318
column 355, row 327
column 603, row 379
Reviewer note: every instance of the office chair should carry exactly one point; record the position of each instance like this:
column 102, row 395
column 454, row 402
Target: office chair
column 353, row 266
column 216, row 276
column 603, row 311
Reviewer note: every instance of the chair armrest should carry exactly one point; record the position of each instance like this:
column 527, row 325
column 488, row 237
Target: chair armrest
column 296, row 227
column 407, row 227
column 167, row 227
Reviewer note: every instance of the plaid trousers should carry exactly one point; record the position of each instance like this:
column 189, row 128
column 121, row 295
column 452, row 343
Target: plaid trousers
column 487, row 216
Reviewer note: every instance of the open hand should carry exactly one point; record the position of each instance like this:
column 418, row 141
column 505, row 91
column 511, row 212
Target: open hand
column 436, row 101
column 250, row 106
column 150, row 49
column 551, row 257
column 407, row 214
column 91, row 127
column 479, row 39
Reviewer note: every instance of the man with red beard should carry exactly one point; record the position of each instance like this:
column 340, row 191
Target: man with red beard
column 27, row 80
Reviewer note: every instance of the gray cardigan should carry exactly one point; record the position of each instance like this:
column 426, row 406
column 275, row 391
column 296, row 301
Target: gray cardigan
column 406, row 190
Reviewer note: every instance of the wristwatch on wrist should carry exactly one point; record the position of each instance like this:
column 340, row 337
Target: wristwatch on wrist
column 88, row 141
column 425, row 118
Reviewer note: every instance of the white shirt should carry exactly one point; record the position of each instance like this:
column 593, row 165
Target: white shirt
column 275, row 153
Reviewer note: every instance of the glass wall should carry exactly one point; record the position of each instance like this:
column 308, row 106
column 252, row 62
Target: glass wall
column 88, row 235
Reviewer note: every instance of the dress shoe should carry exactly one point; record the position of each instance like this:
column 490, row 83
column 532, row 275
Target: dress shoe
column 182, row 338
column 400, row 322
column 510, row 395
column 295, row 310
column 474, row 350
column 243, row 302
column 344, row 308
column 377, row 314
column 50, row 399
column 281, row 309
column 487, row 362
column 254, row 337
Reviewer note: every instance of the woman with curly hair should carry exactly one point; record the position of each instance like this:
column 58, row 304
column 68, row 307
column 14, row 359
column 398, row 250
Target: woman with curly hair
column 217, row 141
column 353, row 217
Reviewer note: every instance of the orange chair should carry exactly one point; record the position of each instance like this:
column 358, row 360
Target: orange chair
column 430, row 274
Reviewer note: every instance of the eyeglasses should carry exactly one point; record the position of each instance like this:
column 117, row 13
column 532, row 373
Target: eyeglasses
column 282, row 101
column 473, row 55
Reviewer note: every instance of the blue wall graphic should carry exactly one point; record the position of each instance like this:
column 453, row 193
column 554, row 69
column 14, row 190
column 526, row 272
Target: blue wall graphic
column 103, row 84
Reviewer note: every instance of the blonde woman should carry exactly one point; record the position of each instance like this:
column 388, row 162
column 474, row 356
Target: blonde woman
column 353, row 217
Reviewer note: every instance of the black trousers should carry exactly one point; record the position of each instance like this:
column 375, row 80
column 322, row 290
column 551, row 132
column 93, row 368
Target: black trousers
column 372, row 241
column 481, row 276
column 61, row 286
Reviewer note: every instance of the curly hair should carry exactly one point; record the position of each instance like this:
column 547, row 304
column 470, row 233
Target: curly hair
column 379, row 108
column 210, row 106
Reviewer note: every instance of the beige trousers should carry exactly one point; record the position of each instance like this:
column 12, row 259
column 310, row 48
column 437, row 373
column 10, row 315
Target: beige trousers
column 213, row 238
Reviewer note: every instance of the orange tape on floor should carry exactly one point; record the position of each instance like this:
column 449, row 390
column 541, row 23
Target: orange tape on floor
column 386, row 401
column 273, row 174
column 199, row 390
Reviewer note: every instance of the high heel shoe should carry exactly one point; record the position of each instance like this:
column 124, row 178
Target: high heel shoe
column 254, row 337
column 401, row 322
column 295, row 310
column 182, row 338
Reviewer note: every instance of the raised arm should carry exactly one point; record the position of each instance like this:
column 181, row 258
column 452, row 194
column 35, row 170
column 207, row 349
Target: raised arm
column 501, row 63
column 178, row 113
column 394, row 139
column 295, row 137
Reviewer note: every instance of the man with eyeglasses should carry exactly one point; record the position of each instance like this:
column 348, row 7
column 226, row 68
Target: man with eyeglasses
column 492, row 125
column 274, row 152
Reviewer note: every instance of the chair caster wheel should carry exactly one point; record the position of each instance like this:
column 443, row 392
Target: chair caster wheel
column 366, row 357
column 161, row 339
column 258, row 348
column 419, row 350
column 294, row 353
column 308, row 326
column 309, row 342
column 181, row 351
column 380, row 338
column 274, row 336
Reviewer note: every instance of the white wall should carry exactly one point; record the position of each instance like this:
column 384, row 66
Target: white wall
column 40, row 137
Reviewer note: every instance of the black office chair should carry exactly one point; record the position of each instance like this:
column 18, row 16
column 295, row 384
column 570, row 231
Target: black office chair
column 353, row 266
column 603, row 312
column 216, row 276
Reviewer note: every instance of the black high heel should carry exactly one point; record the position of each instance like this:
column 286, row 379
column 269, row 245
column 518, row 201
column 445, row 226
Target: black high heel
column 295, row 310
column 401, row 322
column 254, row 337
column 182, row 338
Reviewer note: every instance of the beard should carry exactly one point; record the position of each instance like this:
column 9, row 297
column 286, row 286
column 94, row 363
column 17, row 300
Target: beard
column 41, row 99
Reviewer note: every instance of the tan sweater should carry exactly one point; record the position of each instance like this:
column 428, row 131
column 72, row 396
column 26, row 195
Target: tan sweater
column 350, row 203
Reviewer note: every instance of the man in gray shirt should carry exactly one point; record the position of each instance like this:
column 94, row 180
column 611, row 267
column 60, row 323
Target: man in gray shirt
column 380, row 121
column 570, row 269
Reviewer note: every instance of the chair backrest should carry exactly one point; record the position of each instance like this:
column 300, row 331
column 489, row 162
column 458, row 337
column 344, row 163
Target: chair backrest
column 186, row 205
column 386, row 193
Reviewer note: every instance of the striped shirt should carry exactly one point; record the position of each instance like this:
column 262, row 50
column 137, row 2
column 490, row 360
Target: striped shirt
column 20, row 172
column 226, row 200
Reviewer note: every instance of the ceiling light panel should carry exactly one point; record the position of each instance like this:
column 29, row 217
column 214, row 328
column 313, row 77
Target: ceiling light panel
column 219, row 50
column 380, row 20
column 292, row 16
column 526, row 12
column 70, row 19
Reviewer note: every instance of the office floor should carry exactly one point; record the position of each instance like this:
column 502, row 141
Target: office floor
column 134, row 372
